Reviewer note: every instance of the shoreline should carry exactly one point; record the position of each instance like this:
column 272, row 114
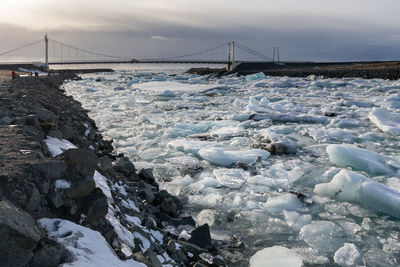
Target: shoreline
column 88, row 184
column 365, row 70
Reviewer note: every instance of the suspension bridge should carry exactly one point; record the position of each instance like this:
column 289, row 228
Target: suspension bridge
column 59, row 53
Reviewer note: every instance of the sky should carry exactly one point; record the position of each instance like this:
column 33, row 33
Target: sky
column 314, row 30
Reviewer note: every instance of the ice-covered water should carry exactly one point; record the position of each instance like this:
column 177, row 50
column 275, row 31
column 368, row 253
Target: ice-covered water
column 204, row 139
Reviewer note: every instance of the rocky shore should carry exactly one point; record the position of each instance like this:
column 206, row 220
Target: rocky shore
column 365, row 70
column 61, row 182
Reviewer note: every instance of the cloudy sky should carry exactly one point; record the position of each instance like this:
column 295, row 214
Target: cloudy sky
column 303, row 29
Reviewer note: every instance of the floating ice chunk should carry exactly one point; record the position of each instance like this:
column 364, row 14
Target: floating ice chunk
column 240, row 117
column 359, row 159
column 387, row 121
column 186, row 146
column 353, row 187
column 209, row 200
column 344, row 123
column 228, row 131
column 255, row 77
column 206, row 216
column 133, row 81
column 331, row 134
column 393, row 183
column 88, row 247
column 359, row 104
column 296, row 220
column 276, row 256
column 231, row 178
column 348, row 255
column 61, row 184
column 57, row 146
column 220, row 157
column 276, row 204
column 325, row 236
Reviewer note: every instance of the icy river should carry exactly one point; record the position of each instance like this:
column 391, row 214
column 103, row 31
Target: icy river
column 305, row 169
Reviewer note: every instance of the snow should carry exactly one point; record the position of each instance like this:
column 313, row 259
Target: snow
column 354, row 187
column 57, row 146
column 61, row 184
column 348, row 255
column 385, row 120
column 87, row 247
column 276, row 256
column 359, row 159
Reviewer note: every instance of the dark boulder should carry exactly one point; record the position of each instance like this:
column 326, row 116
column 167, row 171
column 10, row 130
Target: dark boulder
column 19, row 235
column 201, row 237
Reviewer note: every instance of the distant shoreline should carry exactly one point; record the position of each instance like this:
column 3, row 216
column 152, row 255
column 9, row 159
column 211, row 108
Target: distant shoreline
column 367, row 70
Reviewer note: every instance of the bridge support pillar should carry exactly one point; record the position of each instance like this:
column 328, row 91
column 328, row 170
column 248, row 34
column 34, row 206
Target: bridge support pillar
column 231, row 55
column 46, row 41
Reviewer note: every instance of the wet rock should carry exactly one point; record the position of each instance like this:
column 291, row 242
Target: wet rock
column 48, row 255
column 124, row 165
column 201, row 237
column 303, row 198
column 44, row 187
column 82, row 188
column 177, row 222
column 191, row 248
column 19, row 235
column 147, row 176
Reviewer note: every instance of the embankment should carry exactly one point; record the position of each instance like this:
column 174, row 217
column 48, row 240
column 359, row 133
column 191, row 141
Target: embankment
column 55, row 164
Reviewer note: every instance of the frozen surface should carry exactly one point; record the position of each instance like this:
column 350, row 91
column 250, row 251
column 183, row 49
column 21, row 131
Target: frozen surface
column 385, row 120
column 360, row 159
column 354, row 187
column 203, row 139
column 276, row 256
column 57, row 146
column 86, row 247
column 348, row 255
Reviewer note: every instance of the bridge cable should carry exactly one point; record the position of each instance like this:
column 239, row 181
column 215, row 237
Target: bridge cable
column 21, row 47
column 253, row 52
column 188, row 55
column 87, row 51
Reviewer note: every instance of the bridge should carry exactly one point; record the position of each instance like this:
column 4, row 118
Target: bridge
column 60, row 53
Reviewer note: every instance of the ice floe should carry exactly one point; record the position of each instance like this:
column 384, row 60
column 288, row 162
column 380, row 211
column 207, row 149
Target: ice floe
column 385, row 120
column 276, row 256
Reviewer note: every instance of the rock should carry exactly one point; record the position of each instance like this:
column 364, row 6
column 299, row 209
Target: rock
column 19, row 235
column 191, row 248
column 52, row 169
column 33, row 121
column 82, row 188
column 45, row 116
column 44, row 187
column 83, row 161
column 49, row 255
column 34, row 199
column 152, row 259
column 176, row 222
column 55, row 133
column 201, row 237
column 124, row 165
column 168, row 205
column 56, row 198
column 97, row 205
column 104, row 165
column 163, row 194
column 5, row 120
column 147, row 176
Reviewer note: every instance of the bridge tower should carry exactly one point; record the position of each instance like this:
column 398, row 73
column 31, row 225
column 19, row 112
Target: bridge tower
column 46, row 41
column 231, row 55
